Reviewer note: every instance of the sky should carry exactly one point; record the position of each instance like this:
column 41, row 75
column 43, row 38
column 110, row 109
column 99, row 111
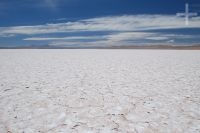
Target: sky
column 94, row 23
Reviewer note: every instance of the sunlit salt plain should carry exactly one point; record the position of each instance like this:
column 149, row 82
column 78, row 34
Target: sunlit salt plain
column 64, row 91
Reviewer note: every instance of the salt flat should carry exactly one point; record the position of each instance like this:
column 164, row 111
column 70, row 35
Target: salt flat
column 135, row 91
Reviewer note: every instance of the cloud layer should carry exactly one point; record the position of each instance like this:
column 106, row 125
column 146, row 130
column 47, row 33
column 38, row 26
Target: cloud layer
column 112, row 23
column 124, row 29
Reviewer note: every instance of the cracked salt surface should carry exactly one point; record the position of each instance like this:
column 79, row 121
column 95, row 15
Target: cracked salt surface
column 136, row 91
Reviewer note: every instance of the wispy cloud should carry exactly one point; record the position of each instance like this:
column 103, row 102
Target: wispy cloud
column 158, row 38
column 122, row 30
column 64, row 38
column 115, row 39
column 109, row 39
column 112, row 23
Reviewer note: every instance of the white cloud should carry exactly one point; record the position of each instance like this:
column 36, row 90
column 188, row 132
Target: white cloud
column 157, row 38
column 170, row 41
column 111, row 39
column 162, row 36
column 126, row 37
column 63, row 38
column 8, row 35
column 126, row 30
column 114, row 39
column 106, row 40
column 111, row 23
column 79, row 43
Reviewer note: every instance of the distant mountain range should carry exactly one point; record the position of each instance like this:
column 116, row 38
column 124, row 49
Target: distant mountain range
column 178, row 47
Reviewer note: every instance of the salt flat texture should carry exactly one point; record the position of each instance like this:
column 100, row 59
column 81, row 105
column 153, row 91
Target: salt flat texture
column 106, row 91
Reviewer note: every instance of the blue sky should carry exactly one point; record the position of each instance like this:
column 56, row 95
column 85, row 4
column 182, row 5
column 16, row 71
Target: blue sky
column 97, row 22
